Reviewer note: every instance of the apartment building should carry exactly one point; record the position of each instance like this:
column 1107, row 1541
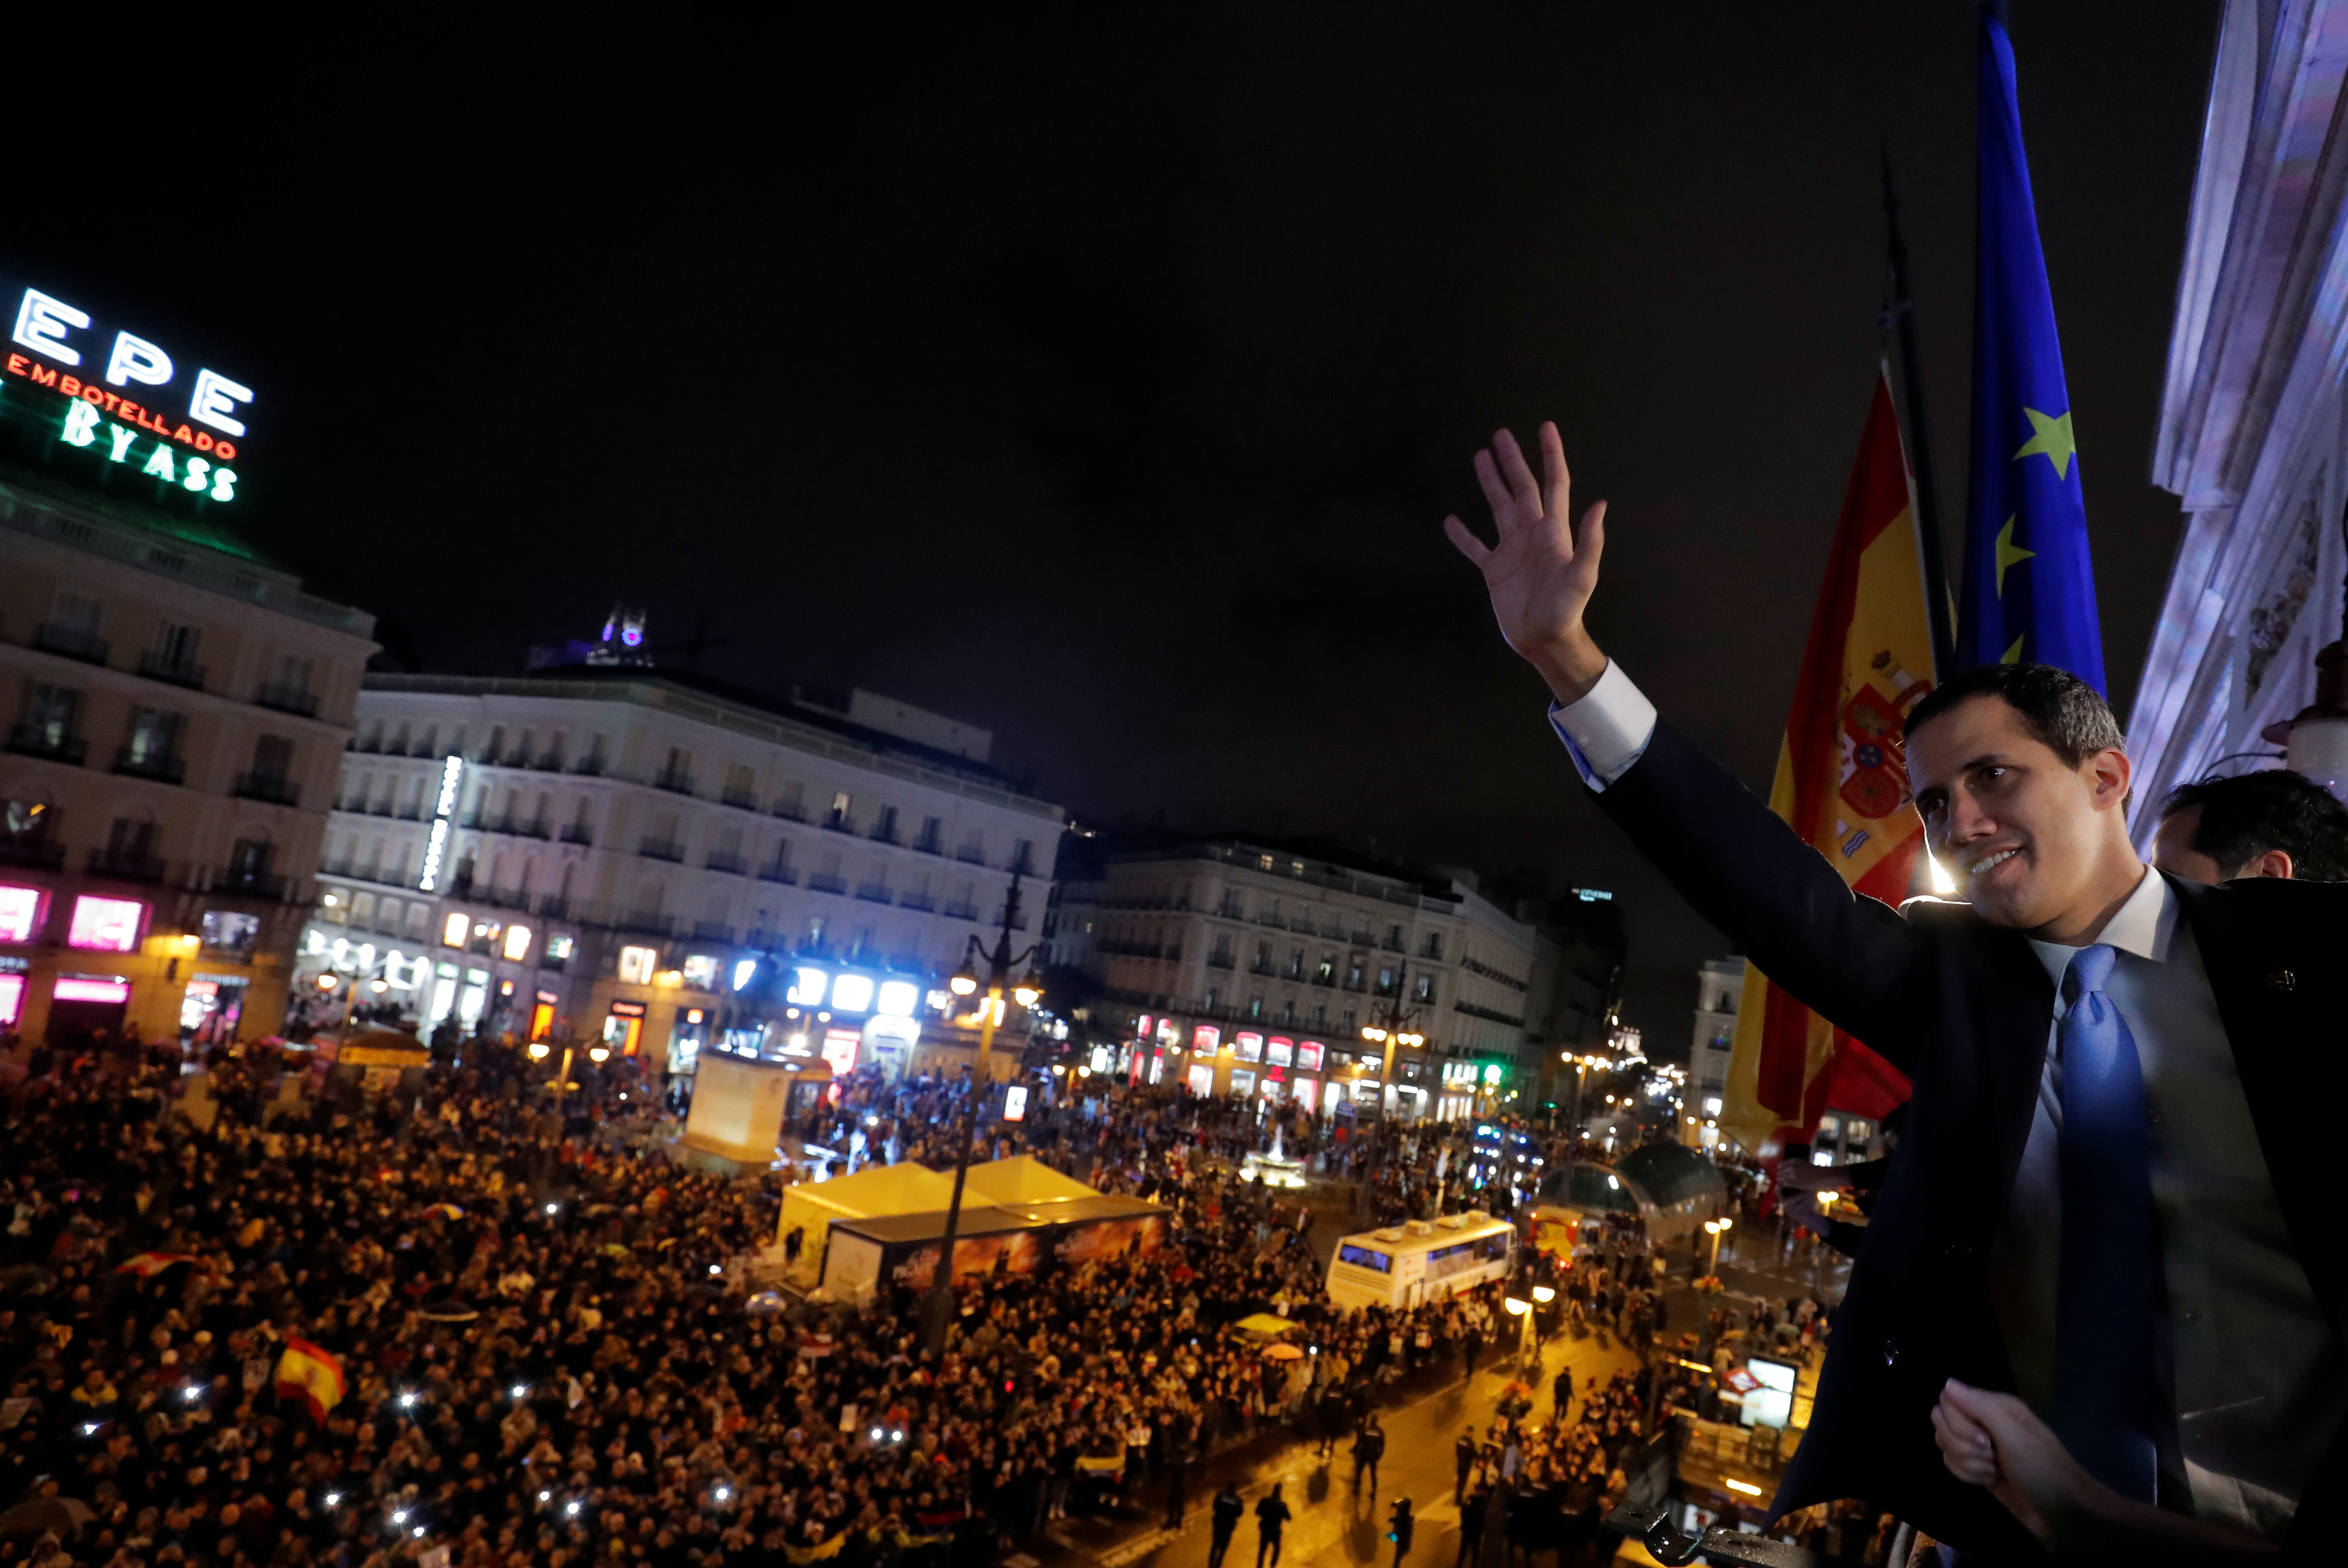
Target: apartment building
column 643, row 858
column 177, row 713
column 1244, row 969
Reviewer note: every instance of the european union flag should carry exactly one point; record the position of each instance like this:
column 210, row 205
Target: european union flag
column 2029, row 593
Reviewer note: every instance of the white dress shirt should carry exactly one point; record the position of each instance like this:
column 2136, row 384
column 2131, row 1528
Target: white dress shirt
column 2259, row 1378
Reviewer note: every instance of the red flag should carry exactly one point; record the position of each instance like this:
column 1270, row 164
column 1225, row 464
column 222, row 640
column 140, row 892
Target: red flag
column 1842, row 784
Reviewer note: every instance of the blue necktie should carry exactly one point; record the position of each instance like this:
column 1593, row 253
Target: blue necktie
column 2103, row 1394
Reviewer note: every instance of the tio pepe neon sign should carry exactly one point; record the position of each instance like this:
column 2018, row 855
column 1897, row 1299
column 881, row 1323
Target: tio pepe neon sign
column 190, row 440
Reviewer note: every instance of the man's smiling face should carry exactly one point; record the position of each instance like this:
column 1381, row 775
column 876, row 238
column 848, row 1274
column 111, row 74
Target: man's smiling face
column 2019, row 828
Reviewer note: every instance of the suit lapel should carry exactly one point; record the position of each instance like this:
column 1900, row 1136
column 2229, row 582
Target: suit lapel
column 2021, row 1006
column 2260, row 971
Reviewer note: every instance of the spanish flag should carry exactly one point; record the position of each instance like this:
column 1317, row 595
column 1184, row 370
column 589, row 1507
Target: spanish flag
column 144, row 1266
column 1842, row 784
column 307, row 1373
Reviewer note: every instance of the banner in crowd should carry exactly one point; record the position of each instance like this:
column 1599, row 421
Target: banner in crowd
column 1842, row 784
column 2029, row 594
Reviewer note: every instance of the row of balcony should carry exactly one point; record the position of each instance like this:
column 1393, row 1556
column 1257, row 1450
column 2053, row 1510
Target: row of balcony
column 135, row 865
column 160, row 767
column 87, row 647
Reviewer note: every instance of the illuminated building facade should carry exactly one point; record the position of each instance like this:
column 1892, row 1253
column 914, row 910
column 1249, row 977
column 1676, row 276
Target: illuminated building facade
column 1719, row 992
column 2253, row 433
column 177, row 714
column 623, row 854
column 1241, row 969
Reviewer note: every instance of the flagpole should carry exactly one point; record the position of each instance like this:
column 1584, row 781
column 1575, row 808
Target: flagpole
column 1920, row 444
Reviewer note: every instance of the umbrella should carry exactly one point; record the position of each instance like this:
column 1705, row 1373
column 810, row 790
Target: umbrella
column 766, row 1304
column 1282, row 1352
column 39, row 1515
column 449, row 1311
column 614, row 1250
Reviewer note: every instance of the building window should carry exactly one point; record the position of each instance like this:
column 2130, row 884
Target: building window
column 1255, row 1005
column 637, row 964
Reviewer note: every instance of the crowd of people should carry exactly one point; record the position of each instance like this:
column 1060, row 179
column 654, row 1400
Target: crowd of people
column 549, row 1356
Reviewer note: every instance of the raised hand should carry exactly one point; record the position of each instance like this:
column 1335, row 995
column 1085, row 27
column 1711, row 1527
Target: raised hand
column 1538, row 573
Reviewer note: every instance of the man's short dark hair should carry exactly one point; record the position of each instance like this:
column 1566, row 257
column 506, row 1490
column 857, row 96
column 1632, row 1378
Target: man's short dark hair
column 2067, row 714
column 2244, row 817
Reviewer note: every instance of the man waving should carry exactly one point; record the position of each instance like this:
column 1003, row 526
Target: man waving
column 2097, row 1304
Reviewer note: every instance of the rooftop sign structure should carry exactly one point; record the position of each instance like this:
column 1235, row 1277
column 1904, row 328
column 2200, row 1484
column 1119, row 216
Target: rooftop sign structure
column 95, row 398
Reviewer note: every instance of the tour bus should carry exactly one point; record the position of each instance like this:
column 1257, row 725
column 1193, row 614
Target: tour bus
column 1422, row 1261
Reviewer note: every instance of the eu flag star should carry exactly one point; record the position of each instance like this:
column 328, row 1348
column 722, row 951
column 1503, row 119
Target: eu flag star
column 2050, row 437
column 2008, row 554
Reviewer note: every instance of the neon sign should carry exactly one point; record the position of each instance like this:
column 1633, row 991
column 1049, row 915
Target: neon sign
column 121, row 397
column 435, row 847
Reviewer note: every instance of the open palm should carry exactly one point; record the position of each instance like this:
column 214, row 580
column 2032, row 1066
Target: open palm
column 1539, row 572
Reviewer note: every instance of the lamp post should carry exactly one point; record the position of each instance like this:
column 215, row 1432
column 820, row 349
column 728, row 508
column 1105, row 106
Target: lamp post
column 1387, row 1029
column 1716, row 1229
column 937, row 1305
column 599, row 1053
column 1528, row 1350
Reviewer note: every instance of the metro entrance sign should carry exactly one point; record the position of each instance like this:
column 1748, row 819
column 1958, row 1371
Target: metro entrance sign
column 69, row 383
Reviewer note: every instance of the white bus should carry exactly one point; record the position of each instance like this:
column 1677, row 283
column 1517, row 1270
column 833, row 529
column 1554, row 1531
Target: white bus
column 1421, row 1260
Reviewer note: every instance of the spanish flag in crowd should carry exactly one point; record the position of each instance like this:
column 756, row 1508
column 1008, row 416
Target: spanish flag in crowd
column 307, row 1373
column 1842, row 783
column 145, row 1266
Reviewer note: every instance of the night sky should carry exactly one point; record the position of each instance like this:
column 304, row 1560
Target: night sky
column 1103, row 377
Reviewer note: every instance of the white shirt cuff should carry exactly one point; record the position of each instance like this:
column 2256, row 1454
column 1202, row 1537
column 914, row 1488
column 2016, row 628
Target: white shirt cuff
column 1608, row 730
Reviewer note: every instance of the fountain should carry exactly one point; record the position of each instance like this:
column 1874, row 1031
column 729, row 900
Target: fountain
column 1273, row 1168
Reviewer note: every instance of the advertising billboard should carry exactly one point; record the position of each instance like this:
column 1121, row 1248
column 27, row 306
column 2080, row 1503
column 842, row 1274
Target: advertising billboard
column 117, row 403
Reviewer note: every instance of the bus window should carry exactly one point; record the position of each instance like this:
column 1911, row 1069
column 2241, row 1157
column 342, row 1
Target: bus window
column 1363, row 1258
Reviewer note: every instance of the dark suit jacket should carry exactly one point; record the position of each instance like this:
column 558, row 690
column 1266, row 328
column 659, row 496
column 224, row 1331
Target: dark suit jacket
column 1962, row 1007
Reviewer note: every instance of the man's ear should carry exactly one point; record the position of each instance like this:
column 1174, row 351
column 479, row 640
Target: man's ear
column 2270, row 863
column 2109, row 774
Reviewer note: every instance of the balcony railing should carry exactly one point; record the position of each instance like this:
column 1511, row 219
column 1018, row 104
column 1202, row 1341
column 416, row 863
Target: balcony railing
column 274, row 787
column 32, row 849
column 959, row 911
column 554, row 906
column 732, row 865
column 971, row 854
column 126, row 865
column 162, row 768
column 661, row 849
column 73, row 642
column 1222, row 960
column 163, row 667
column 712, row 931
column 251, row 884
column 37, row 740
column 780, row 870
column 884, row 832
column 547, row 762
column 874, row 892
column 838, row 822
column 928, row 844
column 919, row 900
column 743, row 799
column 589, row 767
column 577, row 834
column 674, row 782
column 790, row 811
column 820, row 882
column 298, row 700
